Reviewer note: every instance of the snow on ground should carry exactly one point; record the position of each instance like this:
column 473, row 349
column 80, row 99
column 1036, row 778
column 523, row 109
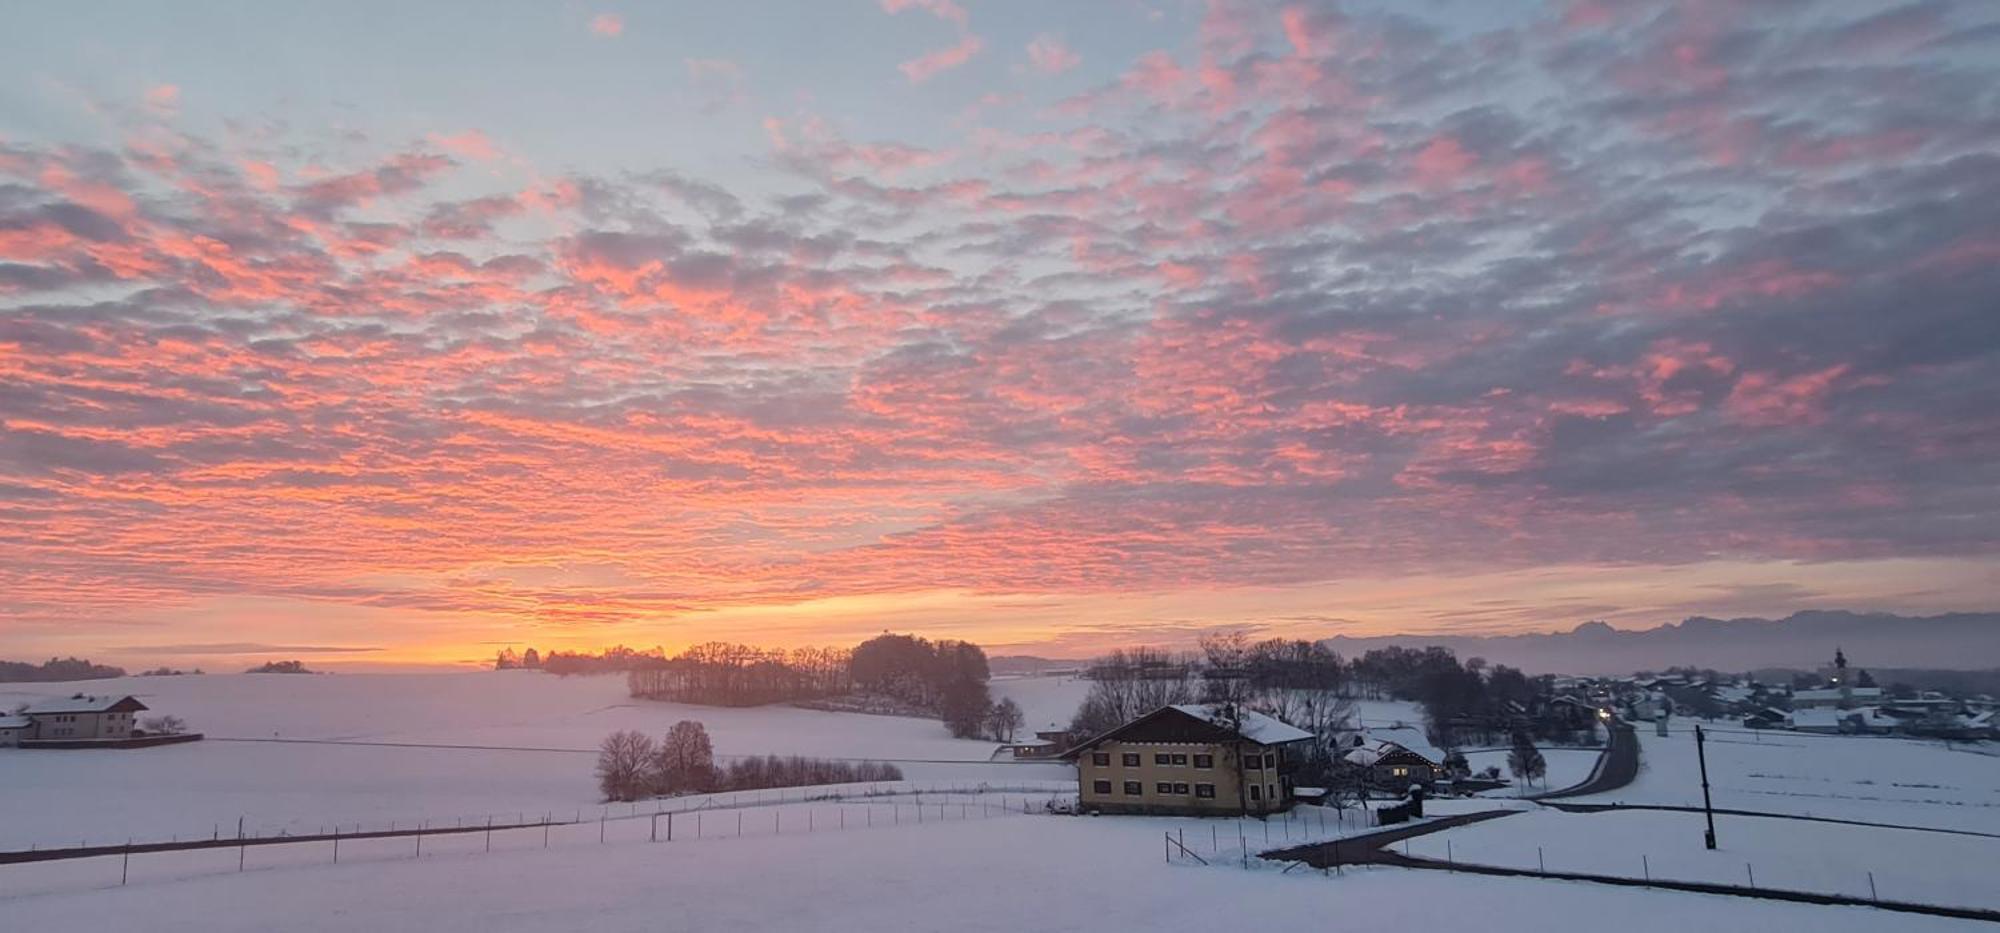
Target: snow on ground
column 1871, row 779
column 543, row 731
column 1046, row 702
column 1567, row 767
column 1797, row 855
column 993, row 874
column 1380, row 713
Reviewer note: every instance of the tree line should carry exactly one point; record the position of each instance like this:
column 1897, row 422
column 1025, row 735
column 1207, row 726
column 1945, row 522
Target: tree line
column 725, row 674
column 56, row 669
column 890, row 673
column 631, row 766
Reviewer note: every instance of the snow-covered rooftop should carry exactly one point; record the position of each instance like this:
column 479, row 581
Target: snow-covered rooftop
column 1834, row 693
column 10, row 721
column 79, row 704
column 1818, row 718
column 1409, row 738
column 1255, row 726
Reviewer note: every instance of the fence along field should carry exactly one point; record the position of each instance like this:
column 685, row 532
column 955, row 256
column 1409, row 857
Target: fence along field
column 773, row 812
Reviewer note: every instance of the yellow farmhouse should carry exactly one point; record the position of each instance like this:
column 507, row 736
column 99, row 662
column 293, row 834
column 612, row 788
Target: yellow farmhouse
column 1203, row 760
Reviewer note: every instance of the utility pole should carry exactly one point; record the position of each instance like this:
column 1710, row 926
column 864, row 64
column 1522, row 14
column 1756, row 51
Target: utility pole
column 1707, row 806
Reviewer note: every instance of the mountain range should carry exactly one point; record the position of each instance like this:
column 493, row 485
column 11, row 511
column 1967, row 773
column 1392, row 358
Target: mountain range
column 1800, row 641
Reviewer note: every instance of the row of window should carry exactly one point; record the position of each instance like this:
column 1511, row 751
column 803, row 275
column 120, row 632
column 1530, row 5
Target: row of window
column 1163, row 788
column 1175, row 760
column 1258, row 792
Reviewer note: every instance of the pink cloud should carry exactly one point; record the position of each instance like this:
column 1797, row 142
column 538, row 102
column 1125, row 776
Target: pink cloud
column 1763, row 398
column 942, row 9
column 163, row 98
column 471, row 144
column 1444, row 162
column 928, row 65
column 608, row 25
column 1049, row 55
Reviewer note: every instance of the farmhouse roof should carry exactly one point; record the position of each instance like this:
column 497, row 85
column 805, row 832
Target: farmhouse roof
column 86, row 704
column 1198, row 723
column 1252, row 725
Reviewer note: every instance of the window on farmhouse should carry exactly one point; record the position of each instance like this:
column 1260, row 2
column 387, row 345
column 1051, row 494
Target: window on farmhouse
column 1131, row 760
column 1180, row 760
column 1205, row 791
column 1163, row 759
column 1253, row 762
column 1164, row 787
column 1134, row 788
column 1204, row 761
column 1101, row 759
column 1100, row 787
column 1180, row 788
column 1256, row 792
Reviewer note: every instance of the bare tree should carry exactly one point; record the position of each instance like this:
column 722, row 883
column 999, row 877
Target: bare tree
column 685, row 763
column 625, row 765
column 163, row 725
column 1525, row 760
column 1005, row 719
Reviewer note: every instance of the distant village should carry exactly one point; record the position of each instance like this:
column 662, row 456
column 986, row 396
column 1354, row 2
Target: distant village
column 1835, row 701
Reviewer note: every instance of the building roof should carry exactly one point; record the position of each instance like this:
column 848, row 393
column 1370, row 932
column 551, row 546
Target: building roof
column 1409, row 738
column 86, row 704
column 1818, row 718
column 1836, row 693
column 1255, row 726
column 1197, row 723
column 10, row 721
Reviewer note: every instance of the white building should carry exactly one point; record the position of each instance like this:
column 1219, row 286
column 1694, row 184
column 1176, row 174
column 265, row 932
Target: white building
column 81, row 717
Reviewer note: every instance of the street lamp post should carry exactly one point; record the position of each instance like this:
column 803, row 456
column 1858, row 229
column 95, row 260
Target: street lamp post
column 1707, row 806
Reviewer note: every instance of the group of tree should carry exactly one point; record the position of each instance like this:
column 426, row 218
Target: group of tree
column 946, row 677
column 724, row 674
column 281, row 667
column 1300, row 682
column 616, row 659
column 56, row 669
column 507, row 660
column 167, row 672
column 631, row 766
column 1464, row 702
column 890, row 672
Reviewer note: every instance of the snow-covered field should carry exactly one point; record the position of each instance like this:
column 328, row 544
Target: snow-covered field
column 1567, row 767
column 1046, row 702
column 538, row 733
column 1871, row 779
column 999, row 874
column 1796, row 855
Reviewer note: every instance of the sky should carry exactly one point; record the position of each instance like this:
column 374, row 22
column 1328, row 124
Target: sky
column 382, row 334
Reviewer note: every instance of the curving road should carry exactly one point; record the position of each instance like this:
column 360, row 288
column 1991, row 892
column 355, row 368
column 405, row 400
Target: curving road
column 1616, row 767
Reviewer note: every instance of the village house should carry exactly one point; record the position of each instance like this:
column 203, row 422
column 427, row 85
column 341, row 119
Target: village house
column 1190, row 760
column 1395, row 758
column 82, row 718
